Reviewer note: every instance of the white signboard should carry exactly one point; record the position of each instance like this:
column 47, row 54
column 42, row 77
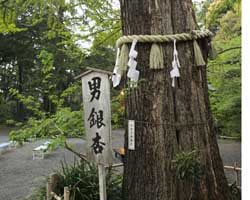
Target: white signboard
column 97, row 116
column 131, row 134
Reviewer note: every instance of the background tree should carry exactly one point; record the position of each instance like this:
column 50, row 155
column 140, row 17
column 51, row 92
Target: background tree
column 42, row 50
column 224, row 67
column 224, row 71
column 157, row 169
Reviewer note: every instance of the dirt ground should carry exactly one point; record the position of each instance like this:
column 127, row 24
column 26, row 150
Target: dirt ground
column 19, row 174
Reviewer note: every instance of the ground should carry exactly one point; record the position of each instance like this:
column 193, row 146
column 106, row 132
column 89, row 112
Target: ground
column 19, row 174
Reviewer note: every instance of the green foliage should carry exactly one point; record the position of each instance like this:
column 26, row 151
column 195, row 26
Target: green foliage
column 118, row 110
column 188, row 166
column 39, row 61
column 218, row 8
column 82, row 179
column 224, row 73
column 57, row 141
column 10, row 122
column 223, row 17
column 38, row 194
column 7, row 109
column 230, row 26
column 41, row 52
column 13, row 123
column 104, row 23
column 102, row 58
column 29, row 101
column 65, row 123
column 200, row 8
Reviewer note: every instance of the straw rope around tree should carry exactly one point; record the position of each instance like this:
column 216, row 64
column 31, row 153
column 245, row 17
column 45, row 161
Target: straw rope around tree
column 195, row 34
column 156, row 55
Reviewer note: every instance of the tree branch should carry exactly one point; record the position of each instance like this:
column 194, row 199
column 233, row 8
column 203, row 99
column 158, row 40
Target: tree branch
column 233, row 61
column 82, row 156
column 229, row 49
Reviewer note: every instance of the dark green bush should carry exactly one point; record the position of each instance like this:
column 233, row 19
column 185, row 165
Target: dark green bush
column 188, row 166
column 82, row 179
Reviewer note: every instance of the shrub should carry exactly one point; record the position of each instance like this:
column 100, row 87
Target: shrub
column 82, row 180
column 65, row 122
column 188, row 166
column 118, row 110
column 10, row 122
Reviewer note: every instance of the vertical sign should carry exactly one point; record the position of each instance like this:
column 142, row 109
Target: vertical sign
column 97, row 115
column 131, row 134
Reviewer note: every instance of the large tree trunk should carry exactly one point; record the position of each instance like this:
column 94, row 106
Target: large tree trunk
column 149, row 172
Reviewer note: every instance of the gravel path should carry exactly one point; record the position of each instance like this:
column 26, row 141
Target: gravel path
column 19, row 174
column 230, row 152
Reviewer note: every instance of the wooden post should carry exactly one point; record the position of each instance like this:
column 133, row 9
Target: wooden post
column 48, row 189
column 66, row 193
column 51, row 184
column 237, row 178
column 102, row 182
column 55, row 196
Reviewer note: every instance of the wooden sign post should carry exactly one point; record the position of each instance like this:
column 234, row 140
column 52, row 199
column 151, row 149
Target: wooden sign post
column 97, row 117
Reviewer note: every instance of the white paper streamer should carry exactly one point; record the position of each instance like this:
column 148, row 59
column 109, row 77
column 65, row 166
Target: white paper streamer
column 174, row 73
column 132, row 49
column 116, row 77
column 133, row 74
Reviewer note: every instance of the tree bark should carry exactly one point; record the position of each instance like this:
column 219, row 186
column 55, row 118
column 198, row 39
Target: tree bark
column 20, row 106
column 149, row 171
